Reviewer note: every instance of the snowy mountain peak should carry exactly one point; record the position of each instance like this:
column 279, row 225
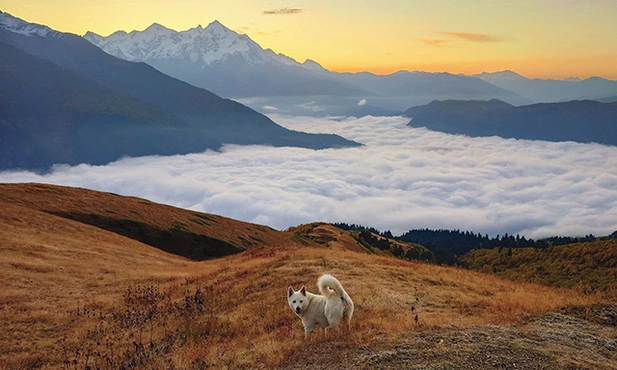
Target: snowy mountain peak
column 94, row 36
column 201, row 45
column 217, row 25
column 313, row 66
column 17, row 25
column 157, row 28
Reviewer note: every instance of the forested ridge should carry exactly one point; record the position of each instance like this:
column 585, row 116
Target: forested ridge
column 448, row 245
column 588, row 263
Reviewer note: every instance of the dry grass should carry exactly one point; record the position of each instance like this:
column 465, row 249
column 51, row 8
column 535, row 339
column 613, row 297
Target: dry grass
column 77, row 297
column 108, row 210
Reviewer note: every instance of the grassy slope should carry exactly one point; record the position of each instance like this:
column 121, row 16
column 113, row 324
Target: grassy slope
column 191, row 234
column 75, row 295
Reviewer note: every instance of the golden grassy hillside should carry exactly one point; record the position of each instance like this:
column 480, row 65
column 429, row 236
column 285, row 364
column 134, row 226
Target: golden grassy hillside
column 329, row 236
column 191, row 234
column 75, row 296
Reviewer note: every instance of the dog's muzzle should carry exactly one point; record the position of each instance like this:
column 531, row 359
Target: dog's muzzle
column 297, row 309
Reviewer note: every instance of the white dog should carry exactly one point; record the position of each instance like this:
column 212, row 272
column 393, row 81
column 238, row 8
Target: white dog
column 325, row 310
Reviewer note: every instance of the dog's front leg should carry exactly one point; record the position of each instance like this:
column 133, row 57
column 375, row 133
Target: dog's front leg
column 307, row 330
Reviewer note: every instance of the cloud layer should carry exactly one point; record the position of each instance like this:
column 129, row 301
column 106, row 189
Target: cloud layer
column 403, row 178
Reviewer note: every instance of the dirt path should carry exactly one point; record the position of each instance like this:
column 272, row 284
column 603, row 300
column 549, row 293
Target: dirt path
column 578, row 339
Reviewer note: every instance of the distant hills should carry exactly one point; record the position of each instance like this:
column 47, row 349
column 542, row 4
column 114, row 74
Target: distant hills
column 66, row 101
column 424, row 87
column 581, row 121
column 548, row 90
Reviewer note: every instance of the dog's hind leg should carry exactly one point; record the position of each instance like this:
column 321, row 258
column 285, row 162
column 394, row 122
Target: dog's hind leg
column 349, row 323
column 349, row 314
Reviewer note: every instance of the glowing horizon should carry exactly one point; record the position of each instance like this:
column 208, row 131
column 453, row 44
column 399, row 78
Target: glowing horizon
column 537, row 39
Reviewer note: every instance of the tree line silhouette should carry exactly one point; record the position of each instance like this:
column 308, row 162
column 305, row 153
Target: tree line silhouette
column 448, row 245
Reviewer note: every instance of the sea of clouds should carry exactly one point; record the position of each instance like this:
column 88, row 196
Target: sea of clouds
column 402, row 178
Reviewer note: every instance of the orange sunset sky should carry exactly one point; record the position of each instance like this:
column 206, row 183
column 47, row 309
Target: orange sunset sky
column 538, row 39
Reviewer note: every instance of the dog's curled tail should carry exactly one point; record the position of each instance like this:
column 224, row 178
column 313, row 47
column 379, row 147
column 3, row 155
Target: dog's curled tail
column 329, row 286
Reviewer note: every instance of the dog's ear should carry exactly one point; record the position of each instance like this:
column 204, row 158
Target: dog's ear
column 303, row 291
column 291, row 291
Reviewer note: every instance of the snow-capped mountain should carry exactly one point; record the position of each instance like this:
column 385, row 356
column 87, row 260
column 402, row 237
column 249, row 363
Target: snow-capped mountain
column 199, row 45
column 16, row 25
column 221, row 60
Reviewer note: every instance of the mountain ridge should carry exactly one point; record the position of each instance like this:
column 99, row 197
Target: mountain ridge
column 233, row 65
column 548, row 90
column 20, row 26
column 209, row 119
column 213, row 56
column 77, row 112
column 163, row 43
column 579, row 120
column 241, row 69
